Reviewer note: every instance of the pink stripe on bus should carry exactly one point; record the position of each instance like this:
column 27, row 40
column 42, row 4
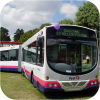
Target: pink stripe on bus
column 42, row 82
column 45, row 83
column 3, row 66
column 28, row 72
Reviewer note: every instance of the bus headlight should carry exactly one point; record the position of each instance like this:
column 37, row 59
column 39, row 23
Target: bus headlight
column 95, row 82
column 91, row 83
column 55, row 84
column 50, row 84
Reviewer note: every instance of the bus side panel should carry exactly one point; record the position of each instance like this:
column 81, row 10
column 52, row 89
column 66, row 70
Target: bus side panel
column 30, row 69
column 26, row 69
column 33, row 71
column 9, row 66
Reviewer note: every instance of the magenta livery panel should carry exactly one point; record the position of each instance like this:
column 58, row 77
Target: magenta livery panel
column 9, row 68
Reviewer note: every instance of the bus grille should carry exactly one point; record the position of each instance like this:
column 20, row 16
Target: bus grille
column 67, row 84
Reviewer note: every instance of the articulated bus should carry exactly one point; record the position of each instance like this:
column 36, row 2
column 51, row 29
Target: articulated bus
column 10, row 58
column 62, row 57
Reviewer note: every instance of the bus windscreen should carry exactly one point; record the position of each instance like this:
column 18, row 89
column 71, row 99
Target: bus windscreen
column 68, row 55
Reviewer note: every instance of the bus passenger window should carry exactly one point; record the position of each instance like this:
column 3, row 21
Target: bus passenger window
column 30, row 53
column 13, row 55
column 4, row 55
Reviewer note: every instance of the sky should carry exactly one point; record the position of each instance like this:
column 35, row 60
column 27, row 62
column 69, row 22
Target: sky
column 30, row 14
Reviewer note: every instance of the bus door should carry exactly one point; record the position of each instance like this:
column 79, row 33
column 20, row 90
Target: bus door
column 74, row 55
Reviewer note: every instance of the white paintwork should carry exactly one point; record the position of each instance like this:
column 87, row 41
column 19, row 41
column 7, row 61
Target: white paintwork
column 9, row 63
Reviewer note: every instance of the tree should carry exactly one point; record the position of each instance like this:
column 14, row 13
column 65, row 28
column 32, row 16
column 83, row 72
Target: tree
column 18, row 34
column 28, row 34
column 4, row 34
column 88, row 16
column 66, row 21
column 45, row 24
column 35, row 31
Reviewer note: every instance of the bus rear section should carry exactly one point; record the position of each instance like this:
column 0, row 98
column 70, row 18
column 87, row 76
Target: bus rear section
column 9, row 58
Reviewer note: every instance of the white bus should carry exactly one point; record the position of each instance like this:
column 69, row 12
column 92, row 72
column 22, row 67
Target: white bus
column 62, row 57
column 10, row 58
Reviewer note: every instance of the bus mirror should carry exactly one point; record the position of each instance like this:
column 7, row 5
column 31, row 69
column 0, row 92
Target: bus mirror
column 38, row 42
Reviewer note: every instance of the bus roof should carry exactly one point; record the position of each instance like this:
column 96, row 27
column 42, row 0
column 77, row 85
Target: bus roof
column 34, row 37
column 75, row 26
column 9, row 48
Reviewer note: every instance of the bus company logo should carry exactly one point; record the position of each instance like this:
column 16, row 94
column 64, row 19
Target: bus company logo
column 77, row 77
column 74, row 78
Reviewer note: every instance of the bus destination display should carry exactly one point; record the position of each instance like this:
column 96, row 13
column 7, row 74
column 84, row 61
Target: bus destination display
column 71, row 32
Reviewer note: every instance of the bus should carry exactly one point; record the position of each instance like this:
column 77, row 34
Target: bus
column 10, row 58
column 63, row 58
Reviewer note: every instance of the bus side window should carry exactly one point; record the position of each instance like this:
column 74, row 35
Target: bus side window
column 33, row 53
column 13, row 55
column 40, row 52
column 4, row 55
column 29, row 54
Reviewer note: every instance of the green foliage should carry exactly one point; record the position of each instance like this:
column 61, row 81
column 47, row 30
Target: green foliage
column 25, row 36
column 4, row 36
column 35, row 30
column 45, row 24
column 99, row 39
column 86, row 51
column 88, row 16
column 18, row 34
column 28, row 34
column 66, row 21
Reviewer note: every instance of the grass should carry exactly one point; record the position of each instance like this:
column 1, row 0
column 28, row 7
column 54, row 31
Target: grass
column 15, row 86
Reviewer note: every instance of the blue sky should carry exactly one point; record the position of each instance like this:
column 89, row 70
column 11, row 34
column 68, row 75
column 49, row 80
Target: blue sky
column 76, row 2
column 28, row 15
column 56, row 19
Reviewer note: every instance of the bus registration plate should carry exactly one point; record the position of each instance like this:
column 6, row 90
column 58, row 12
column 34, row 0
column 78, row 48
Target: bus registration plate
column 73, row 89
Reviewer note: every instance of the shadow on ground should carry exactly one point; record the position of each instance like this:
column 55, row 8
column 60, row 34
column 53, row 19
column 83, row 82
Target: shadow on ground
column 70, row 95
